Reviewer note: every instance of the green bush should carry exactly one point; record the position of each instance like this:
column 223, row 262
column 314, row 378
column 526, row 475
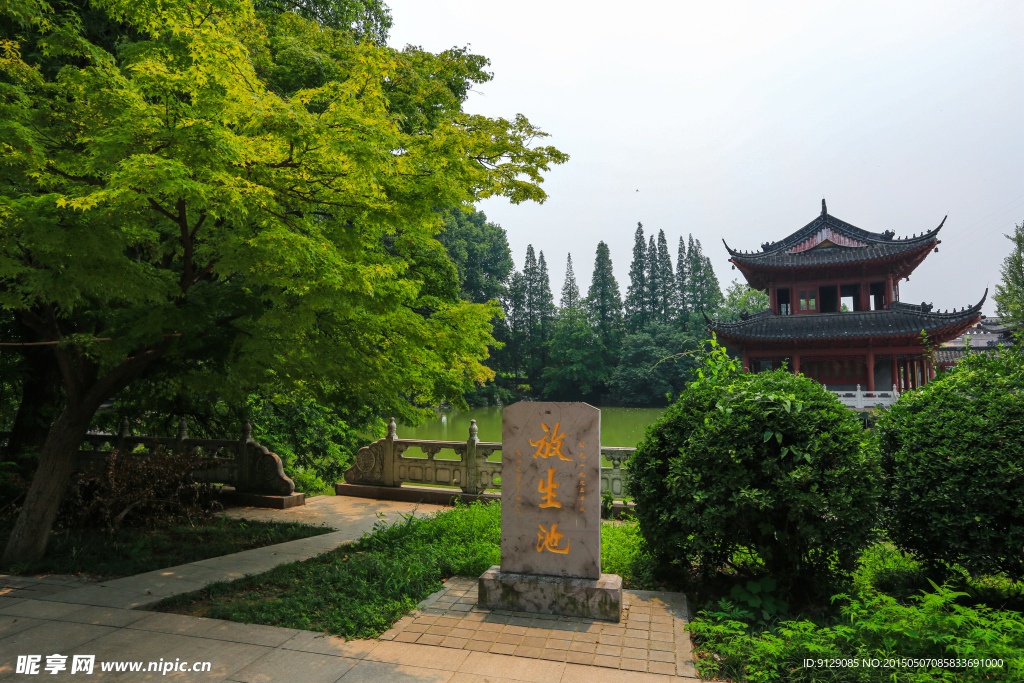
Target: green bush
column 766, row 466
column 953, row 453
column 872, row 627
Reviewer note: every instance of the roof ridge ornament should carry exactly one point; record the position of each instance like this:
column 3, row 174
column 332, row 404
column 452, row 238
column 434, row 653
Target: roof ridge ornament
column 824, row 209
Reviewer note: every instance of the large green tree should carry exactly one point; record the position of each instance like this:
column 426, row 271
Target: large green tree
column 1009, row 294
column 167, row 198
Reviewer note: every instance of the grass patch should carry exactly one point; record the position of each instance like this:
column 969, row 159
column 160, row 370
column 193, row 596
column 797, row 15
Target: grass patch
column 126, row 552
column 360, row 590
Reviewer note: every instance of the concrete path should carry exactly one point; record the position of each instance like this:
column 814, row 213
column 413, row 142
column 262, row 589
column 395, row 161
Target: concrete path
column 46, row 617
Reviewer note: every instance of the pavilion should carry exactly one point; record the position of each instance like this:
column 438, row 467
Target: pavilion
column 835, row 313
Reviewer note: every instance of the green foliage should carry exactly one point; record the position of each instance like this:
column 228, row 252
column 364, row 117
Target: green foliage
column 314, row 442
column 759, row 596
column 480, row 252
column 607, row 504
column 624, row 552
column 652, row 364
column 604, row 305
column 872, row 626
column 953, row 452
column 765, row 465
column 740, row 298
column 243, row 186
column 1009, row 294
column 635, row 306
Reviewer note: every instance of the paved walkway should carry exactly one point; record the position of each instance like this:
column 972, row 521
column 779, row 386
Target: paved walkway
column 54, row 616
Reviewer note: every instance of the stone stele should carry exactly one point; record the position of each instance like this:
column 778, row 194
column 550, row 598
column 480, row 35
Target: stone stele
column 551, row 515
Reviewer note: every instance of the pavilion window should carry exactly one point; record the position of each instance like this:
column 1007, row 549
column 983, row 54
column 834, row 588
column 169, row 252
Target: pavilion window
column 829, row 299
column 782, row 296
column 808, row 299
column 849, row 296
column 878, row 302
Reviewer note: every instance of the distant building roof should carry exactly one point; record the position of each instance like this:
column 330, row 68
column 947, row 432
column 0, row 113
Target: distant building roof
column 899, row 325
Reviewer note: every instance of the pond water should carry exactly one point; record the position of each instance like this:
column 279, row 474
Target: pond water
column 621, row 427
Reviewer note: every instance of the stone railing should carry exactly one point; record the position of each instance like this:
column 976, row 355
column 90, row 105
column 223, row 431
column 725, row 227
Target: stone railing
column 867, row 399
column 384, row 463
column 249, row 467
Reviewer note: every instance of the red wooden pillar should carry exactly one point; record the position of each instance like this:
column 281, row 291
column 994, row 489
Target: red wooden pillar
column 773, row 298
column 746, row 361
column 895, row 372
column 888, row 290
column 865, row 303
column 913, row 374
column 871, row 369
column 796, row 363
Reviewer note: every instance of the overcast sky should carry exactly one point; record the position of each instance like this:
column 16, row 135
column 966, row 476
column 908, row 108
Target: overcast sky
column 733, row 119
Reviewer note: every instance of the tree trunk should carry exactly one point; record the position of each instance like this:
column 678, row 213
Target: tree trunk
column 40, row 403
column 31, row 532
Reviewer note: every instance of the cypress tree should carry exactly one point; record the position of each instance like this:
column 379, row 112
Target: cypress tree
column 517, row 323
column 544, row 305
column 653, row 282
column 682, row 280
column 603, row 301
column 636, row 295
column 704, row 291
column 570, row 292
column 666, row 280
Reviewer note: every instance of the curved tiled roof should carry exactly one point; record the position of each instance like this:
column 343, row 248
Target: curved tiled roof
column 863, row 246
column 825, row 220
column 900, row 320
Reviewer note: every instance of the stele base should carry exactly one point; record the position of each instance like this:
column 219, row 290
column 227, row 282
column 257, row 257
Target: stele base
column 571, row 597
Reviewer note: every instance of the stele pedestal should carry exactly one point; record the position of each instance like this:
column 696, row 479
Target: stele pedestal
column 551, row 515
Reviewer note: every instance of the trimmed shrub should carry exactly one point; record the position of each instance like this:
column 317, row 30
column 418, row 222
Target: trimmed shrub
column 953, row 452
column 767, row 466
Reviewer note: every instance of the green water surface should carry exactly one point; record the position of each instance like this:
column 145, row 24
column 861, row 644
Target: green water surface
column 620, row 427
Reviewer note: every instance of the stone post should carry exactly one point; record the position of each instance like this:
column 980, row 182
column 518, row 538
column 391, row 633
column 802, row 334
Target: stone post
column 243, row 460
column 472, row 483
column 388, row 461
column 122, row 436
column 179, row 442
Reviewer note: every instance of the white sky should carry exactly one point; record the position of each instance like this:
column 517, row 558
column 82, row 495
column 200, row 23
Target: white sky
column 734, row 119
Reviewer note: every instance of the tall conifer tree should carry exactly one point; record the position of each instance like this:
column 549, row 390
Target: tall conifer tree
column 666, row 281
column 603, row 300
column 570, row 292
column 682, row 280
column 636, row 295
column 544, row 307
column 653, row 295
column 517, row 322
column 704, row 291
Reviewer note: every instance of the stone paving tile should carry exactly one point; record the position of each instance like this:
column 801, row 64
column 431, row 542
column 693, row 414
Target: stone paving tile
column 319, row 643
column 644, row 641
column 383, row 672
column 287, row 666
column 9, row 625
column 38, row 609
